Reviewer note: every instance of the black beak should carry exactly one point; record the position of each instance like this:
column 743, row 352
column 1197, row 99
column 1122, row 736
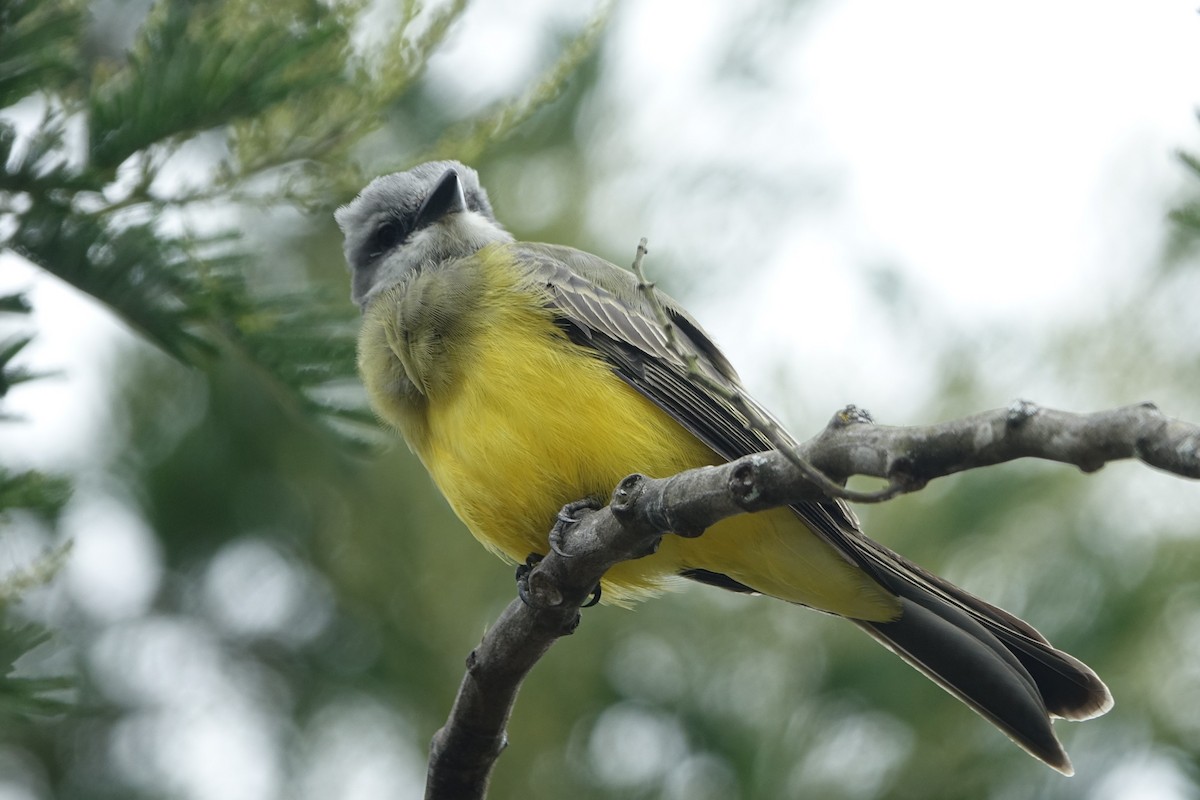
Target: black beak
column 446, row 198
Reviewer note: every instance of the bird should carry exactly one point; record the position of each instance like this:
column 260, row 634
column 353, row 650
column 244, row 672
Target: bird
column 529, row 376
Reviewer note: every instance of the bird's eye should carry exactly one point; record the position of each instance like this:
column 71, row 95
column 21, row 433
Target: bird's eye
column 389, row 234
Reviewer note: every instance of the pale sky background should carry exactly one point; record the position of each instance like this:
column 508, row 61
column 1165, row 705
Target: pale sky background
column 1013, row 160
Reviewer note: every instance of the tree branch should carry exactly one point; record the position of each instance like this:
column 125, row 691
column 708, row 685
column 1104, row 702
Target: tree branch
column 910, row 457
column 643, row 509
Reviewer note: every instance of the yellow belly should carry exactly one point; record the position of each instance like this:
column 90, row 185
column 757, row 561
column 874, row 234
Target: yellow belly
column 534, row 422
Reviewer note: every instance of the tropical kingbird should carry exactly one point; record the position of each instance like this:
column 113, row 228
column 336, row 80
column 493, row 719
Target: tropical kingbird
column 529, row 376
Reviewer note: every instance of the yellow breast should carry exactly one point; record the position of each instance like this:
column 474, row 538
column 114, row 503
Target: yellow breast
column 528, row 421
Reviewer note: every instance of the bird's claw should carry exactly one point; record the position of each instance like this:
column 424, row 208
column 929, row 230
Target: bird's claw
column 523, row 570
column 565, row 518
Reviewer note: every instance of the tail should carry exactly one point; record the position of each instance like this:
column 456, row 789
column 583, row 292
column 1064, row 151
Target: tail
column 997, row 664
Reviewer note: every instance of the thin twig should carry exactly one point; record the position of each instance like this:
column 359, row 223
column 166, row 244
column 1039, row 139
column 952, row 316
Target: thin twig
column 757, row 420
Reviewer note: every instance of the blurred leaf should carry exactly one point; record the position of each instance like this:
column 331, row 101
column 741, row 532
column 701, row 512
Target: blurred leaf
column 14, row 304
column 37, row 46
column 44, row 495
column 20, row 696
column 290, row 97
column 144, row 277
column 1184, row 242
column 27, row 696
column 468, row 141
column 11, row 376
column 192, row 70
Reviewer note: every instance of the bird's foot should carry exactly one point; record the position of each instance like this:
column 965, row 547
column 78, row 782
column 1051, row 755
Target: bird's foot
column 523, row 570
column 523, row 592
column 569, row 515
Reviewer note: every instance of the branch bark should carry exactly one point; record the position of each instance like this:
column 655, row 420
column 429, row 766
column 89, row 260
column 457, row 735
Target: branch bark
column 644, row 509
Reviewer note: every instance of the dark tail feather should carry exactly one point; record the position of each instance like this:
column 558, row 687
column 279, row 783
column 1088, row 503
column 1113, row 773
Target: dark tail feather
column 994, row 662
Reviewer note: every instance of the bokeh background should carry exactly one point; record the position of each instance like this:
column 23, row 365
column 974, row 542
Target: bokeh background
column 926, row 209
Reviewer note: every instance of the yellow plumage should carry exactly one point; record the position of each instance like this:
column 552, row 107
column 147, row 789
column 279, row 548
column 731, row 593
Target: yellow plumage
column 519, row 420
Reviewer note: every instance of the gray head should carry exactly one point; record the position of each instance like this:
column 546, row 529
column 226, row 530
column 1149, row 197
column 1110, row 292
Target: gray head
column 409, row 221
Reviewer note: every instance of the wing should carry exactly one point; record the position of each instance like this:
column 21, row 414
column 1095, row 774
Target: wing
column 600, row 306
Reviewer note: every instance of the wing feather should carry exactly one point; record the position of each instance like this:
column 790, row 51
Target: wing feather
column 601, row 306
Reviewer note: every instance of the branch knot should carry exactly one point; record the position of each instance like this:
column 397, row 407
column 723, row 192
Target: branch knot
column 851, row 415
column 625, row 497
column 1020, row 412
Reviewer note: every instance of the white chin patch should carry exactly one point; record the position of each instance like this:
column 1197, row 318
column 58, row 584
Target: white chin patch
column 470, row 230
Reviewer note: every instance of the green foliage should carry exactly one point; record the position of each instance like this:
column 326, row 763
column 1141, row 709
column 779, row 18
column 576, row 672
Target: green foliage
column 1185, row 240
column 23, row 696
column 284, row 95
column 38, row 46
column 20, row 695
column 30, row 490
column 193, row 70
column 35, row 493
column 136, row 173
column 470, row 140
column 10, row 374
column 190, row 71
